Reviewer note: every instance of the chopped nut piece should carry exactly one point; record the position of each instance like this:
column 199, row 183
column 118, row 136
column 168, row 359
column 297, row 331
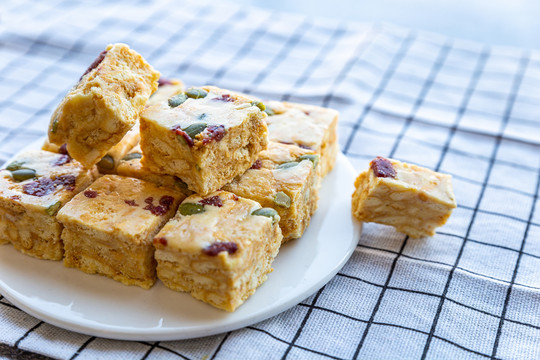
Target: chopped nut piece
column 282, row 199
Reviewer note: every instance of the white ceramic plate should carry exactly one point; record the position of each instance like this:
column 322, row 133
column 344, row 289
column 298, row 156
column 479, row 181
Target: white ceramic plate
column 96, row 305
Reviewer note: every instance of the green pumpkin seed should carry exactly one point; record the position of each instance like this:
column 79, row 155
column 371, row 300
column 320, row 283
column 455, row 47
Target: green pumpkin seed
column 180, row 183
column 106, row 163
column 54, row 125
column 194, row 129
column 282, row 199
column 23, row 174
column 313, row 158
column 132, row 156
column 16, row 165
column 259, row 104
column 268, row 212
column 53, row 209
column 191, row 209
column 181, row 140
column 177, row 100
column 196, row 93
column 287, row 165
column 269, row 111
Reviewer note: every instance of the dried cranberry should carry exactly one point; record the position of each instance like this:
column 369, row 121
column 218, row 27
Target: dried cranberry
column 179, row 132
column 382, row 167
column 214, row 133
column 160, row 240
column 166, row 200
column 163, row 81
column 225, row 97
column 217, row 247
column 131, row 202
column 15, row 197
column 40, row 187
column 156, row 210
column 91, row 194
column 68, row 181
column 165, row 204
column 63, row 149
column 235, row 198
column 45, row 186
column 96, row 62
column 62, row 159
column 213, row 200
column 256, row 165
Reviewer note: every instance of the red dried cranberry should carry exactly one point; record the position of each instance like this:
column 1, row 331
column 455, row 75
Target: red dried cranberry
column 178, row 131
column 166, row 201
column 163, row 81
column 62, row 159
column 213, row 133
column 45, row 186
column 91, row 194
column 235, row 198
column 256, row 165
column 165, row 204
column 40, row 187
column 160, row 240
column 217, row 247
column 213, row 200
column 382, row 167
column 68, row 181
column 225, row 97
column 63, row 149
column 96, row 62
column 156, row 210
column 131, row 202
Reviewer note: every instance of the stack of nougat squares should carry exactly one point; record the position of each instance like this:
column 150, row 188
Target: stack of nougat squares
column 141, row 178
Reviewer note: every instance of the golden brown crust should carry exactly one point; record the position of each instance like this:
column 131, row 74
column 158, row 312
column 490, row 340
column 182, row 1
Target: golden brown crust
column 221, row 255
column 271, row 176
column 105, row 104
column 108, row 229
column 415, row 201
column 314, row 127
column 235, row 133
column 28, row 208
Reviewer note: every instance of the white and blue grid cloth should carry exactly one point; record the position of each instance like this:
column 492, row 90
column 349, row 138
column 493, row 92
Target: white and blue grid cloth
column 470, row 292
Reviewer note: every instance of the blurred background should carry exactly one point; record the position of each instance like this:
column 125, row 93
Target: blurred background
column 496, row 22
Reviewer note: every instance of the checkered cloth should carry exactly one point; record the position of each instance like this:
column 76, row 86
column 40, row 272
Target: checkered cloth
column 470, row 292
